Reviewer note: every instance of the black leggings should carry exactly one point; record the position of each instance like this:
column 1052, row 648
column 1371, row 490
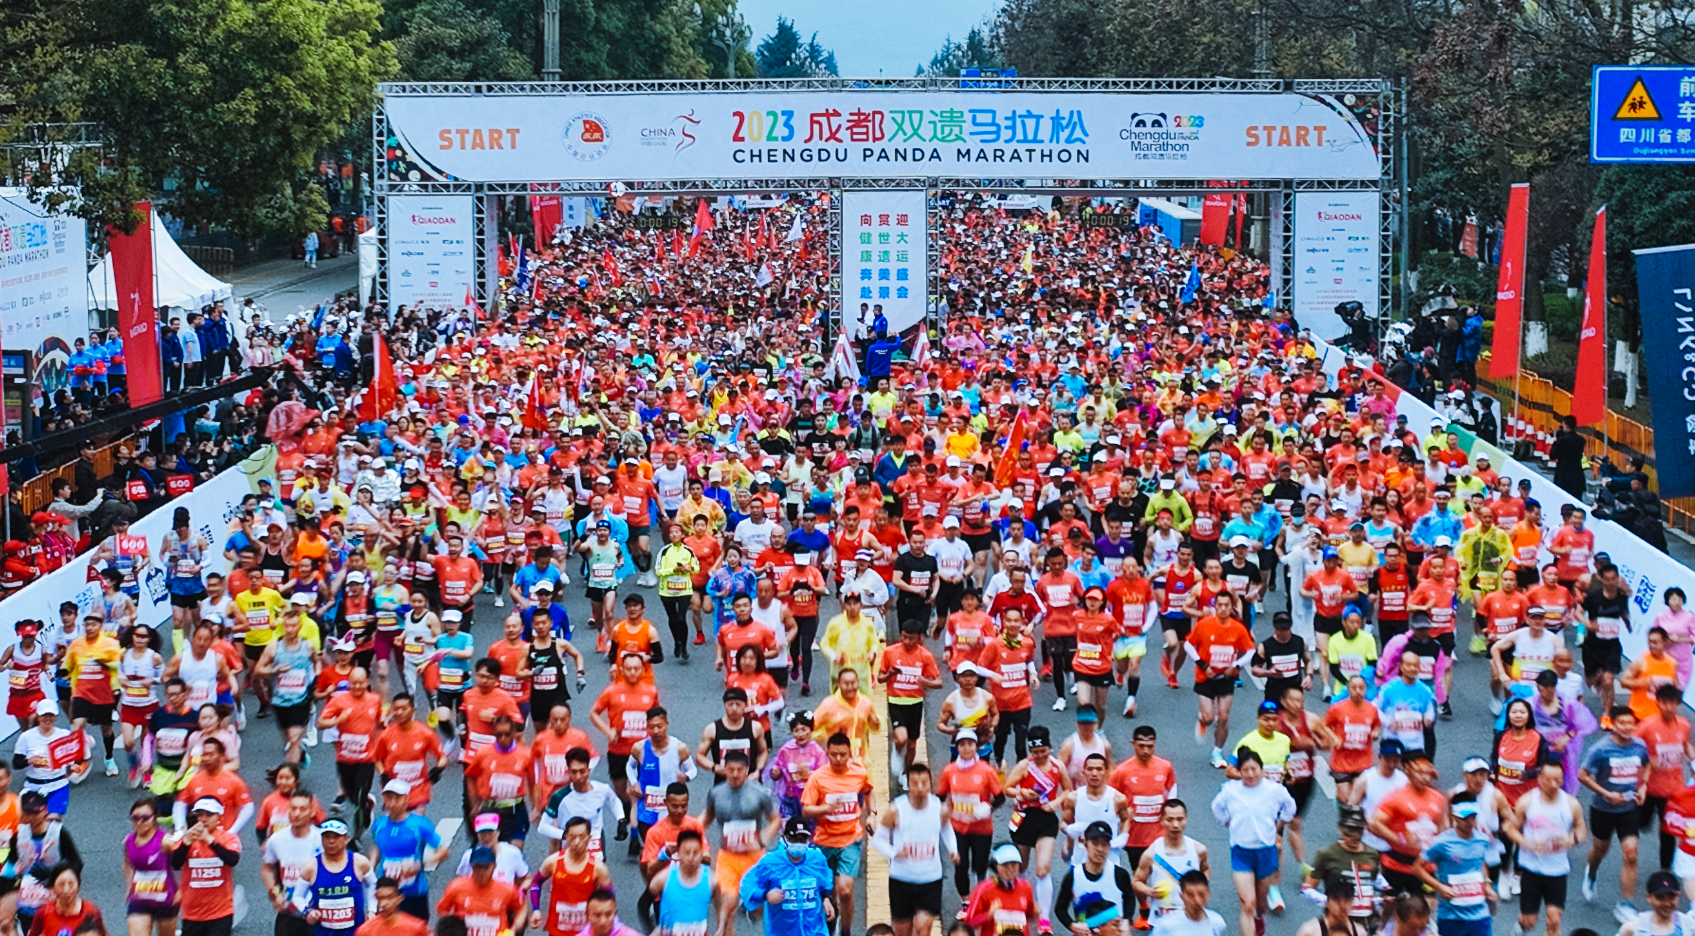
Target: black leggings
column 1059, row 651
column 973, row 859
column 1668, row 842
column 676, row 618
column 356, row 785
column 800, row 648
column 1016, row 724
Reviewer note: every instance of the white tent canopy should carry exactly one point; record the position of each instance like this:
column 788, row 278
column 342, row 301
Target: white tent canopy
column 178, row 282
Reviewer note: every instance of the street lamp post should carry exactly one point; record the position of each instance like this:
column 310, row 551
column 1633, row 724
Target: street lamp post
column 728, row 32
column 550, row 40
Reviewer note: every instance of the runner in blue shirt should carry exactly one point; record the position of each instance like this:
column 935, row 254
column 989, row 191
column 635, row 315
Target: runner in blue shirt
column 402, row 843
column 1460, row 879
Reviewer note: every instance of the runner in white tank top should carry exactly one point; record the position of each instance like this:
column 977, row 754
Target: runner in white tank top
column 201, row 675
column 1376, row 787
column 771, row 618
column 1076, row 753
column 1161, row 865
column 1546, row 825
column 1085, row 811
column 908, row 836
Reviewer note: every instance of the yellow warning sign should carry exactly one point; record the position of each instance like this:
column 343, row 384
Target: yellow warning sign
column 1637, row 104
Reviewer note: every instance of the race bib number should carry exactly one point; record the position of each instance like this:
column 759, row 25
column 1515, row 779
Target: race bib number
column 1059, row 596
column 844, row 807
column 1393, row 600
column 505, row 786
column 187, row 568
column 409, row 770
column 1503, row 626
column 148, row 886
column 654, row 798
column 1090, row 652
column 1356, row 737
column 291, row 681
column 1351, row 666
column 353, row 745
column 677, row 583
column 602, row 570
column 206, row 872
column 1607, row 628
column 1220, row 656
column 1286, row 665
column 1468, row 888
column 1510, row 771
column 634, row 726
column 336, row 913
column 575, row 916
column 741, row 835
column 918, row 851
column 1146, row 808
column 1624, row 770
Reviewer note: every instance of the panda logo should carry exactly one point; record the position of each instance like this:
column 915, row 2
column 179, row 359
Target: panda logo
column 1148, row 122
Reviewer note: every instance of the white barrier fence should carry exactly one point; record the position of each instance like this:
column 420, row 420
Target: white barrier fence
column 211, row 507
column 1648, row 571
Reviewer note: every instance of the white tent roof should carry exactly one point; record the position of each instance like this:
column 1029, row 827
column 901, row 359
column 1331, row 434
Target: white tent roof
column 178, row 282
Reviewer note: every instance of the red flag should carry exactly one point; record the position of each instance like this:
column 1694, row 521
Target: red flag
column 471, row 303
column 1215, row 217
column 764, row 238
column 611, row 265
column 659, row 248
column 547, row 212
column 1509, row 289
column 677, row 242
column 535, row 414
column 138, row 315
column 702, row 217
column 1008, row 464
column 1241, row 212
column 384, row 391
column 1468, row 238
column 1589, row 395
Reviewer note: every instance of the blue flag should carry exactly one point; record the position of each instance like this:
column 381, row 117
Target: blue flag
column 1665, row 281
column 1192, row 285
column 1270, row 300
column 523, row 269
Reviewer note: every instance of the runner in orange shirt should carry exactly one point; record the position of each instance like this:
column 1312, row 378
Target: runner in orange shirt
column 1331, row 589
column 213, row 780
column 1356, row 725
column 972, row 790
column 549, row 768
column 908, row 669
column 1130, row 597
column 838, row 798
column 1408, row 819
column 1097, row 632
column 500, row 773
column 488, row 906
column 356, row 714
column 634, row 633
column 1220, row 646
column 208, row 869
column 1146, row 780
column 409, row 751
column 620, row 714
column 512, row 652
column 460, row 576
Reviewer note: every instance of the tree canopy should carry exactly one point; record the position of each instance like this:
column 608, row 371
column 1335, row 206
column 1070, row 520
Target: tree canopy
column 784, row 55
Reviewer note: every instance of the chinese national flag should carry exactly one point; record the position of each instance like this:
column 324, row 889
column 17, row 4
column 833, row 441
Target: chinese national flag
column 535, row 414
column 702, row 217
column 384, row 392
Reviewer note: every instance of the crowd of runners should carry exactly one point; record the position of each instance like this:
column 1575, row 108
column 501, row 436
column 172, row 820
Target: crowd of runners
column 1115, row 477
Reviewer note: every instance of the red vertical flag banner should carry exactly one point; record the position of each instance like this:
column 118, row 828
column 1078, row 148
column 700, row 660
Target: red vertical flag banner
column 1215, row 217
column 1509, row 289
column 384, row 391
column 1008, row 463
column 1468, row 238
column 138, row 316
column 1589, row 394
column 547, row 212
column 1241, row 212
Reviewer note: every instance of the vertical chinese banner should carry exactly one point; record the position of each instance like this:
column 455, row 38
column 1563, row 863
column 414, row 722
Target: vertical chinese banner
column 884, row 243
column 1215, row 216
column 1665, row 281
column 138, row 316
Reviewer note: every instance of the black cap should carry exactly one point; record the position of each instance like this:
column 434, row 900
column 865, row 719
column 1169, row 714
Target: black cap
column 795, row 830
column 1038, row 734
column 1098, row 830
column 32, row 801
column 1663, row 882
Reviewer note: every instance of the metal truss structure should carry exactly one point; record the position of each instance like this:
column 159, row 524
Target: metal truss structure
column 1382, row 99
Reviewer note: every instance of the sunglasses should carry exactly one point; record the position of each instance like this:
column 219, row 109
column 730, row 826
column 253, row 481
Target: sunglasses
column 142, row 817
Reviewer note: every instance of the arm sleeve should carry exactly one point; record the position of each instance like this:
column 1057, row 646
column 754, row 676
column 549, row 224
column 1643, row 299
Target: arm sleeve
column 228, row 856
column 1063, row 898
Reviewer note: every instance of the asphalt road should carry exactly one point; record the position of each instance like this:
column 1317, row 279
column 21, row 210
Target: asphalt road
column 691, row 691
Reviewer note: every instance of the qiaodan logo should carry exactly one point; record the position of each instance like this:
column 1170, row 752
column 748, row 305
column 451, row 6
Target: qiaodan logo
column 586, row 137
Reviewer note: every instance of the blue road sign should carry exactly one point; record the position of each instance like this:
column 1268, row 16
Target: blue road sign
column 1642, row 114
